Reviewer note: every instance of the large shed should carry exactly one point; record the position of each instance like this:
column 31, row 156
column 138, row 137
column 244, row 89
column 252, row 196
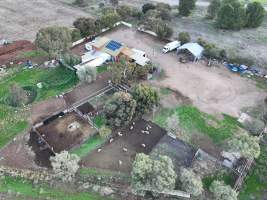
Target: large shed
column 193, row 48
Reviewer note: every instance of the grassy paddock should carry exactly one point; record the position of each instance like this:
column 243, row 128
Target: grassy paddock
column 27, row 190
column 91, row 144
column 33, row 54
column 191, row 119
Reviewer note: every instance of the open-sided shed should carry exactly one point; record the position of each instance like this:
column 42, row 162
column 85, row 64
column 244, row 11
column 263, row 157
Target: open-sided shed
column 193, row 48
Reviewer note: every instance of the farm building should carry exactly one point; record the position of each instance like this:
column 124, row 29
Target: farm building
column 194, row 49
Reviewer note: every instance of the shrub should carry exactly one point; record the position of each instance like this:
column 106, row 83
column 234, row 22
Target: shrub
column 222, row 191
column 108, row 19
column 186, row 7
column 162, row 29
column 87, row 74
column 248, row 146
column 255, row 14
column 71, row 59
column 157, row 174
column 184, row 37
column 17, row 96
column 148, row 6
column 114, row 2
column 65, row 165
column 104, row 132
column 125, row 11
column 191, row 183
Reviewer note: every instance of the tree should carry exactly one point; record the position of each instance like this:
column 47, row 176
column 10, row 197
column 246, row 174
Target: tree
column 231, row 15
column 186, row 7
column 156, row 174
column 71, row 59
column 87, row 74
column 54, row 40
column 120, row 109
column 191, row 183
column 80, row 3
column 108, row 19
column 17, row 96
column 125, row 12
column 148, row 6
column 146, row 98
column 184, row 37
column 213, row 9
column 86, row 26
column 65, row 165
column 245, row 144
column 75, row 35
column 104, row 132
column 162, row 29
column 222, row 191
column 255, row 126
column 255, row 14
column 114, row 2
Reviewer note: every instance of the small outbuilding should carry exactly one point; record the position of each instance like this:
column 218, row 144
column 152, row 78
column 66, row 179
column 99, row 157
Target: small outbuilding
column 194, row 49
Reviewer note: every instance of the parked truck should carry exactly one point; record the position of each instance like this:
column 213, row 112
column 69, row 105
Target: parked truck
column 171, row 46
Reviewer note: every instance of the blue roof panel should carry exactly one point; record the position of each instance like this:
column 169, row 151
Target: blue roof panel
column 113, row 45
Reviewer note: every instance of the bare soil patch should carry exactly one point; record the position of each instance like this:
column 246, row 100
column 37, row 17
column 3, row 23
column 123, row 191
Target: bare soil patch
column 21, row 19
column 18, row 154
column 66, row 132
column 9, row 53
column 212, row 90
column 112, row 153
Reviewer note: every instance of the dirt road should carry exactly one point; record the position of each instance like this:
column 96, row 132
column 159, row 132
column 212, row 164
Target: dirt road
column 21, row 19
column 213, row 90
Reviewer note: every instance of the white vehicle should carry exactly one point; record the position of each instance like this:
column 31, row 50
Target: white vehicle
column 171, row 46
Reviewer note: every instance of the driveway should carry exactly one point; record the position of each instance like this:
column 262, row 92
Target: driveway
column 212, row 90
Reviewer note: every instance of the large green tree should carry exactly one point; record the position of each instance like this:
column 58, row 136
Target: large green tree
column 232, row 15
column 162, row 29
column 86, row 26
column 222, row 191
column 54, row 40
column 154, row 174
column 120, row 109
column 213, row 9
column 146, row 98
column 186, row 7
column 255, row 14
column 191, row 183
column 108, row 19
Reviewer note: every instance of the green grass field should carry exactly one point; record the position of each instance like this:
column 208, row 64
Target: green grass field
column 191, row 119
column 88, row 146
column 14, row 120
column 27, row 190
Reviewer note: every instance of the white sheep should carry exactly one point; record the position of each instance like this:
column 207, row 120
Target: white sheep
column 143, row 145
column 133, row 123
column 99, row 150
column 142, row 131
column 120, row 162
column 131, row 128
column 125, row 149
column 111, row 140
column 119, row 134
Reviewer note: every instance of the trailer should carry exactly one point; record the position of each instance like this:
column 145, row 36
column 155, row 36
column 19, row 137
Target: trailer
column 171, row 46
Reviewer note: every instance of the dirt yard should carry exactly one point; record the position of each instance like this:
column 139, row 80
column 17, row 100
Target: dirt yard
column 66, row 132
column 21, row 19
column 113, row 152
column 213, row 90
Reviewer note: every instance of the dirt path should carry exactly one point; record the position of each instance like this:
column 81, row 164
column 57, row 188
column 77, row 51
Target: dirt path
column 213, row 90
column 21, row 19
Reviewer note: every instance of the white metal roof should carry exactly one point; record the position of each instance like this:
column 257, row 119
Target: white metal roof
column 140, row 60
column 194, row 48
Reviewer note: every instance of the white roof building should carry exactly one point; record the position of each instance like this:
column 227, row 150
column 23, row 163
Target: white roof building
column 194, row 48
